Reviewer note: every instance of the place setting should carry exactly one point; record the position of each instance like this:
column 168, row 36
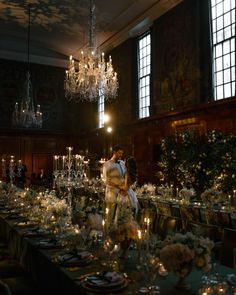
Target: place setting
column 50, row 243
column 35, row 232
column 76, row 257
column 104, row 282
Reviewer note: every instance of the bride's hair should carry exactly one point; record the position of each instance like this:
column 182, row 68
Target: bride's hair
column 131, row 166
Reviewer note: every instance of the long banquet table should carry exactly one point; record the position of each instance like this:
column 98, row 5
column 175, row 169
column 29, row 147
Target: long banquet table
column 55, row 279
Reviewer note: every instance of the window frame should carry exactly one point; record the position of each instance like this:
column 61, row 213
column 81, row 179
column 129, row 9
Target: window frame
column 223, row 50
column 144, row 75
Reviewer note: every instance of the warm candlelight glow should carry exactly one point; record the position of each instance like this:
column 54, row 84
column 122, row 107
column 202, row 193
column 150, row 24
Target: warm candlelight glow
column 139, row 234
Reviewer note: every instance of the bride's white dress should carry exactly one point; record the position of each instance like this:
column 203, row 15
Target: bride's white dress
column 127, row 207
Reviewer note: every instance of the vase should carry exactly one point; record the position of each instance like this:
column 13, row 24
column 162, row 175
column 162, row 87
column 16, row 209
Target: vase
column 125, row 248
column 182, row 284
column 182, row 275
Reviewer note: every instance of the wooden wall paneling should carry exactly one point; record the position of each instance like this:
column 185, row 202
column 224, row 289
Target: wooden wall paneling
column 42, row 161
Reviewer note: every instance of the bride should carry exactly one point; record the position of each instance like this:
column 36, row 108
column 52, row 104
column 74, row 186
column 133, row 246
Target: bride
column 127, row 205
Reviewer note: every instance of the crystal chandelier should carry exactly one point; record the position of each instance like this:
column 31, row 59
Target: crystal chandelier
column 24, row 115
column 91, row 76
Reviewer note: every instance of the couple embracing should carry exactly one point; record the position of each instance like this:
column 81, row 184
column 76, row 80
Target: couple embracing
column 121, row 201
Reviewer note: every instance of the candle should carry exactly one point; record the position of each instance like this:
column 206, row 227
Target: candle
column 63, row 162
column 139, row 246
column 162, row 271
column 148, row 229
column 106, row 220
column 103, row 227
column 116, row 248
column 69, row 152
column 145, row 221
column 55, row 162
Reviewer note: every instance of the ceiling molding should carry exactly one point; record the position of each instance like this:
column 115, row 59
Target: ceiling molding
column 37, row 59
column 140, row 24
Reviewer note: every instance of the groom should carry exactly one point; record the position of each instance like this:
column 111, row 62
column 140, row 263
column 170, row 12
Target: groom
column 113, row 176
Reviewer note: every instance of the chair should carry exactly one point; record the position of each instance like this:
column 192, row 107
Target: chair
column 175, row 211
column 224, row 219
column 148, row 210
column 21, row 285
column 228, row 245
column 211, row 217
column 163, row 208
column 220, row 218
column 213, row 232
column 11, row 268
column 167, row 225
column 187, row 216
column 4, row 289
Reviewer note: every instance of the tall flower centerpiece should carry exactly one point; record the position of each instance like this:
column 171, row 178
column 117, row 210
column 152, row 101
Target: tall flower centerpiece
column 181, row 252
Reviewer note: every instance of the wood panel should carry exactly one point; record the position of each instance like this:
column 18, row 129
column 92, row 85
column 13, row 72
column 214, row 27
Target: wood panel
column 42, row 161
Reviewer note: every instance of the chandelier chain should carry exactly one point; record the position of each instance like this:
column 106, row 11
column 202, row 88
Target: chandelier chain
column 24, row 115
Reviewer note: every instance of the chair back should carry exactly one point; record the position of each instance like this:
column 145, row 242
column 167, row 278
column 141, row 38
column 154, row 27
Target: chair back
column 167, row 225
column 4, row 289
column 228, row 245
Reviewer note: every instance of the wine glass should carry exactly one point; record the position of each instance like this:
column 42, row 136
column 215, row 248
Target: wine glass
column 150, row 264
column 108, row 246
column 153, row 263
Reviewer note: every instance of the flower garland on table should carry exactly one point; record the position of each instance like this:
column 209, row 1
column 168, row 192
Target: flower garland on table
column 181, row 249
column 148, row 189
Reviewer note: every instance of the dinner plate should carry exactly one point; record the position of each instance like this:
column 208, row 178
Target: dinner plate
column 47, row 244
column 105, row 290
column 69, row 259
column 35, row 233
column 101, row 281
column 13, row 216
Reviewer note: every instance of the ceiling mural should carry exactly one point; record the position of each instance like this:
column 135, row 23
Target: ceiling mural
column 61, row 28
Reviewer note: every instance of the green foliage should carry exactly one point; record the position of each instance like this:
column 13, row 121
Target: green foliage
column 202, row 162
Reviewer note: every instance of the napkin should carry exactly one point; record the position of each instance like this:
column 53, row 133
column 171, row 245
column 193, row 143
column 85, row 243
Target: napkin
column 69, row 257
column 49, row 243
column 104, row 278
column 231, row 279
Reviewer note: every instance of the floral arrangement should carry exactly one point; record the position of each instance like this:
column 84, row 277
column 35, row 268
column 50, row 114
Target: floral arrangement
column 187, row 194
column 147, row 188
column 178, row 258
column 212, row 196
column 55, row 206
column 165, row 191
column 199, row 246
